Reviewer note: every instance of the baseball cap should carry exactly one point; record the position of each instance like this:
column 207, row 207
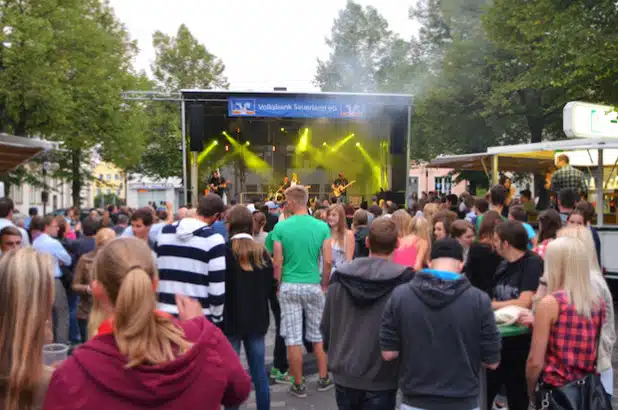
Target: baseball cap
column 447, row 248
column 271, row 205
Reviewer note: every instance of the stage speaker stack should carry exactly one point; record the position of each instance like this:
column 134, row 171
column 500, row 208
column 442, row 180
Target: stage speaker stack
column 196, row 126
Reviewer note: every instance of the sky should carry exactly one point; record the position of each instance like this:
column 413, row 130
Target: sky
column 263, row 43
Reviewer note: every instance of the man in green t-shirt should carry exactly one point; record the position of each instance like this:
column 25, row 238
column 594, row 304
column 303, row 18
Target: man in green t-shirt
column 297, row 243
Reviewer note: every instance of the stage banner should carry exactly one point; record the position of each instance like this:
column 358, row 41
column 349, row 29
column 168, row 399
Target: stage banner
column 293, row 108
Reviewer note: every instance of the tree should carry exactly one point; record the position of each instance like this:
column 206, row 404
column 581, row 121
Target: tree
column 62, row 79
column 181, row 62
column 362, row 51
column 550, row 52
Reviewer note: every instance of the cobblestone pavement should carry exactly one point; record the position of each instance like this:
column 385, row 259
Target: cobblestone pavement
column 281, row 399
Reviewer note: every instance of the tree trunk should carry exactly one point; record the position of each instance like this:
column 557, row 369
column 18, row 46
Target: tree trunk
column 76, row 178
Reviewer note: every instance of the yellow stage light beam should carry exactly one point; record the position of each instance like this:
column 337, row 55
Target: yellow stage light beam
column 253, row 162
column 375, row 167
column 303, row 142
column 206, row 151
column 341, row 143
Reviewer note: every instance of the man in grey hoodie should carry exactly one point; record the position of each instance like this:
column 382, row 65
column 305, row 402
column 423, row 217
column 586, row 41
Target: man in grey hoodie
column 444, row 330
column 356, row 297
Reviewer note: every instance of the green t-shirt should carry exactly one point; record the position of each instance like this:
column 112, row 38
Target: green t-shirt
column 301, row 237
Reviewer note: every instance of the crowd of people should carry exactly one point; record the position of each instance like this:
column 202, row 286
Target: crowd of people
column 159, row 305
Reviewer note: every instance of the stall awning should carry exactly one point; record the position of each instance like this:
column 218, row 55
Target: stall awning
column 482, row 162
column 15, row 151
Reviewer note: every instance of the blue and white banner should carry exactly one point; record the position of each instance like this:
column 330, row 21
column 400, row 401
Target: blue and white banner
column 293, row 108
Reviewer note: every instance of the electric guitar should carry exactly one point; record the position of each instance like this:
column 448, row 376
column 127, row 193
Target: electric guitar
column 216, row 188
column 338, row 190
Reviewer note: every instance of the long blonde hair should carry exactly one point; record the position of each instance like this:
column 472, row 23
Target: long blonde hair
column 567, row 269
column 429, row 211
column 338, row 232
column 419, row 226
column 246, row 251
column 403, row 221
column 585, row 235
column 97, row 314
column 26, row 298
column 125, row 268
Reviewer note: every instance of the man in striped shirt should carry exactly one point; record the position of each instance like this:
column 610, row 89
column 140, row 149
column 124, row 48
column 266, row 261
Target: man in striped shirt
column 191, row 261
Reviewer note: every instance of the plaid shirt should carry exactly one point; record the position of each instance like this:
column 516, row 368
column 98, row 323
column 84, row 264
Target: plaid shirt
column 572, row 348
column 568, row 177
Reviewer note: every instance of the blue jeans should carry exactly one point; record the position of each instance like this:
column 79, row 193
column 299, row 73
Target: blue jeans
column 74, row 333
column 353, row 399
column 255, row 351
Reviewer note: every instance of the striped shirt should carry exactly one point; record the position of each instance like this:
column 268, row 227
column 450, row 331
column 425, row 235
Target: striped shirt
column 191, row 262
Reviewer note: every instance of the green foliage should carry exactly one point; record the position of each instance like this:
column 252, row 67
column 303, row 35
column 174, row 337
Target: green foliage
column 482, row 72
column 63, row 67
column 550, row 52
column 181, row 62
column 108, row 199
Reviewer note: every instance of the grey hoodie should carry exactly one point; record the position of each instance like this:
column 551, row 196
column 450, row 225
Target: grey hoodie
column 355, row 300
column 443, row 331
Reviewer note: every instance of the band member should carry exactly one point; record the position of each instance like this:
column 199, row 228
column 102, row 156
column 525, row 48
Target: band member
column 217, row 183
column 339, row 183
column 286, row 184
column 295, row 180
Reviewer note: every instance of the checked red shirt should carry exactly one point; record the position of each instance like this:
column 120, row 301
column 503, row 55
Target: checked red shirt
column 571, row 351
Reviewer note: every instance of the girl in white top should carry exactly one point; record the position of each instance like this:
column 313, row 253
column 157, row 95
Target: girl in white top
column 342, row 238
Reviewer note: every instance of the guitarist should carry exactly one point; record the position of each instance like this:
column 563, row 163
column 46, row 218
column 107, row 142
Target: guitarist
column 217, row 183
column 340, row 182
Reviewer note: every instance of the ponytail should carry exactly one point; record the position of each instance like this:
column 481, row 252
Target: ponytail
column 142, row 334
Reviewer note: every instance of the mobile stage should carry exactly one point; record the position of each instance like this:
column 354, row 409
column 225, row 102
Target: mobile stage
column 257, row 138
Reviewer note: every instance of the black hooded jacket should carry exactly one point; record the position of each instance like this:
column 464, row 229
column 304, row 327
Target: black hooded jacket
column 355, row 301
column 443, row 330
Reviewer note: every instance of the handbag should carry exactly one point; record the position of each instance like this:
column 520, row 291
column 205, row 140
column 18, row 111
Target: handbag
column 586, row 393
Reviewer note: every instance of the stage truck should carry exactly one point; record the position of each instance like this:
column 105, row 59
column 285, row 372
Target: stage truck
column 256, row 139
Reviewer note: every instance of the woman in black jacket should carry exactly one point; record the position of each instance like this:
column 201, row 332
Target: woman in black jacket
column 483, row 260
column 249, row 279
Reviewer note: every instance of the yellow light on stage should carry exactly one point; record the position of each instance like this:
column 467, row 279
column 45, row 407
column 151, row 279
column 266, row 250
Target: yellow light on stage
column 247, row 143
column 206, row 151
column 303, row 142
column 216, row 142
column 274, row 148
column 324, row 144
column 282, row 129
column 358, row 144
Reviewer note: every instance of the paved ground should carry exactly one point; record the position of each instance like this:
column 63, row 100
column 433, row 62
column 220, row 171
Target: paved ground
column 281, row 399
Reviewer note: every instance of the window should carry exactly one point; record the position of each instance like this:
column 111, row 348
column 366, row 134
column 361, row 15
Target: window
column 109, row 191
column 118, row 192
column 33, row 195
column 116, row 177
column 98, row 191
column 101, row 176
column 108, row 177
column 17, row 194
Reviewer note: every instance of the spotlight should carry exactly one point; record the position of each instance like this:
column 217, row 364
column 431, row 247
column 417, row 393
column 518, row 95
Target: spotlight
column 332, row 150
column 247, row 143
column 282, row 129
column 227, row 148
column 274, row 148
column 324, row 144
column 358, row 144
column 216, row 142
column 306, row 130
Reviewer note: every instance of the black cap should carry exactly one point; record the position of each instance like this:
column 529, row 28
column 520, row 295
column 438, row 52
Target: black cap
column 447, row 248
